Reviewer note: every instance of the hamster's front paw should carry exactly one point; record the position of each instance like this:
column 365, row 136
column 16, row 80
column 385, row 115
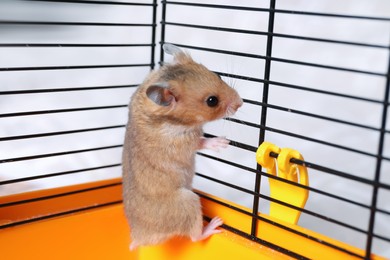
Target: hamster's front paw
column 214, row 143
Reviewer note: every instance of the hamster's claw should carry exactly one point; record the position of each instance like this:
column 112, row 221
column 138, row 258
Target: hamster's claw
column 210, row 229
column 133, row 246
column 212, row 226
column 214, row 143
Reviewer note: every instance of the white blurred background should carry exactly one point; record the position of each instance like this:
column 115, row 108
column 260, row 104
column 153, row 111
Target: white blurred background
column 369, row 85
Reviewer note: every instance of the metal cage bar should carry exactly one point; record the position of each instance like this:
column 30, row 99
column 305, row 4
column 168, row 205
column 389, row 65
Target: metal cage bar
column 265, row 106
column 380, row 158
column 36, row 92
column 263, row 118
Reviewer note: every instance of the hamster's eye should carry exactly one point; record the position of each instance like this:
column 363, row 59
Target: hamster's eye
column 212, row 101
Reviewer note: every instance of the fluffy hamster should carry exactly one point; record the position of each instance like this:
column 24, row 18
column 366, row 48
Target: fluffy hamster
column 164, row 131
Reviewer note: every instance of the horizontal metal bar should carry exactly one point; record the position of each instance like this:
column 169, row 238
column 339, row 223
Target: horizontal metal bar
column 236, row 165
column 328, row 170
column 47, row 155
column 335, row 172
column 333, row 41
column 308, row 139
column 251, row 192
column 234, row 53
column 310, row 164
column 275, row 130
column 234, row 143
column 54, row 90
column 40, row 135
column 289, row 61
column 383, row 211
column 58, row 195
column 330, row 195
column 54, row 23
column 68, row 110
column 216, row 28
column 312, row 213
column 75, row 67
column 50, row 175
column 72, row 45
column 231, row 7
column 281, row 84
column 92, row 2
column 245, row 234
column 359, row 17
column 387, row 239
column 299, row 112
column 39, row 218
column 263, row 242
column 311, row 64
column 280, row 35
column 277, row 224
column 255, row 125
column 292, row 86
column 291, row 12
column 330, row 144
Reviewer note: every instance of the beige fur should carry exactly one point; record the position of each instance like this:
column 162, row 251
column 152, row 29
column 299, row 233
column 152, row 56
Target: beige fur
column 160, row 145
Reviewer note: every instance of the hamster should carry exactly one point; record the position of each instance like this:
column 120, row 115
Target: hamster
column 164, row 131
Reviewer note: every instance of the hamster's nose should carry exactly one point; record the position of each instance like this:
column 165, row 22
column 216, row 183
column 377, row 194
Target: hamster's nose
column 233, row 107
column 237, row 104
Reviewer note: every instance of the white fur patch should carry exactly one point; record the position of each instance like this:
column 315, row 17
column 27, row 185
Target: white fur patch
column 200, row 118
column 170, row 129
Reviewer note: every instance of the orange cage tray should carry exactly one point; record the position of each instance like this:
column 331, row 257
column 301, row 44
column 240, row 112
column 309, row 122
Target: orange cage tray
column 103, row 233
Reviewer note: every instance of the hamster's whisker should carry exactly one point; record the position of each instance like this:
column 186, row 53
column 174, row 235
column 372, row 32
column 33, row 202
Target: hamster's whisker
column 230, row 111
column 236, row 119
column 233, row 83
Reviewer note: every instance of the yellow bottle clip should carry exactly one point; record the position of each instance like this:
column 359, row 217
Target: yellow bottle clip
column 283, row 191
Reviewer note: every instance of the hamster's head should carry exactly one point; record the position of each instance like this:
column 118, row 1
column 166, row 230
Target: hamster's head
column 187, row 93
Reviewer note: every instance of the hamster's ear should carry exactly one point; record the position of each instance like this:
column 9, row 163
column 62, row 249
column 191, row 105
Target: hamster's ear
column 171, row 49
column 179, row 55
column 160, row 94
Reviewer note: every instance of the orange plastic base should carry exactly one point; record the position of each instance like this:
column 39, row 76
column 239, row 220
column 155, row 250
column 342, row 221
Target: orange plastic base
column 103, row 234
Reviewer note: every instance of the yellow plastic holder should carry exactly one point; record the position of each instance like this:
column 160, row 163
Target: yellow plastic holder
column 264, row 159
column 283, row 191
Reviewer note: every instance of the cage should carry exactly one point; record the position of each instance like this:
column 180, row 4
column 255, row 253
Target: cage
column 314, row 76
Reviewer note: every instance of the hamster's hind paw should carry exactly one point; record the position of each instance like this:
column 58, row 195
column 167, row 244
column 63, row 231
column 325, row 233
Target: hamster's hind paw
column 133, row 246
column 214, row 143
column 210, row 229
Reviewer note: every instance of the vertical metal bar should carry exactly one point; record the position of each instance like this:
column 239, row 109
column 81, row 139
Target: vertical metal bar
column 374, row 199
column 163, row 15
column 154, row 25
column 263, row 120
